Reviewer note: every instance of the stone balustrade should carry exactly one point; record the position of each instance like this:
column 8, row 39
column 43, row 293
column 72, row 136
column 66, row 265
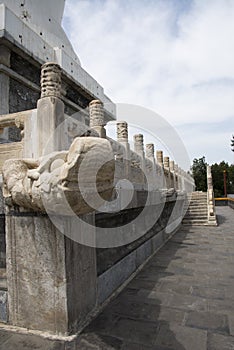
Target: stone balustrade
column 138, row 165
column 48, row 169
column 143, row 158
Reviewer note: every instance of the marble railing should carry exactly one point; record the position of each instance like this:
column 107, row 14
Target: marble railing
column 46, row 137
column 63, row 167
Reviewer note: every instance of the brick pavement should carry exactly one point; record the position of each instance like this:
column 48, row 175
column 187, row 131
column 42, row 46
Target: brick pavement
column 183, row 299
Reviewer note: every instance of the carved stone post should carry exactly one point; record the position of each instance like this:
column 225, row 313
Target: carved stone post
column 122, row 137
column 51, row 80
column 150, row 155
column 180, row 179
column 159, row 155
column 166, row 163
column 139, row 143
column 176, row 176
column 172, row 165
column 160, row 169
column 139, row 149
column 96, row 115
column 172, row 170
column 149, row 150
column 50, row 111
column 210, row 198
column 122, row 131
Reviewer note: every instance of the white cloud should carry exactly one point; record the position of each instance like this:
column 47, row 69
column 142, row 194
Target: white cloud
column 178, row 61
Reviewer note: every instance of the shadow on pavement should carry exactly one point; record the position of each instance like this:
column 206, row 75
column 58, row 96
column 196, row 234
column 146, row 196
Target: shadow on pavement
column 138, row 317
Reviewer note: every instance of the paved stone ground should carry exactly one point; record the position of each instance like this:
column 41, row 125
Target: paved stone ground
column 183, row 299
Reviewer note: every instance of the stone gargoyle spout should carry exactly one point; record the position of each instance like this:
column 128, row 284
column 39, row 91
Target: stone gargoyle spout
column 76, row 181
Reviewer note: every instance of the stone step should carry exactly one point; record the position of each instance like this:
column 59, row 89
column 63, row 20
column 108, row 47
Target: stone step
column 198, row 199
column 194, row 222
column 198, row 202
column 198, row 193
column 203, row 206
column 202, row 194
column 197, row 210
column 205, row 218
column 198, row 206
column 196, row 215
column 199, row 196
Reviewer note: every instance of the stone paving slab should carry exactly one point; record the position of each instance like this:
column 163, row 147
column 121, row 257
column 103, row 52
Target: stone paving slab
column 183, row 299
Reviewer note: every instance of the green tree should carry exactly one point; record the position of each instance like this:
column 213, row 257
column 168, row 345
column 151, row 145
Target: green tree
column 199, row 174
column 218, row 178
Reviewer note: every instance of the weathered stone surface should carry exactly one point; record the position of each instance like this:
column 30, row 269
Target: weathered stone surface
column 106, row 258
column 96, row 116
column 101, row 342
column 166, row 162
column 149, row 150
column 139, row 143
column 41, row 276
column 50, row 117
column 2, row 242
column 50, row 275
column 135, row 331
column 122, row 131
column 3, row 306
column 181, row 338
column 210, row 198
column 159, row 155
column 51, row 80
column 114, row 277
column 50, row 184
column 81, row 279
column 11, row 341
column 219, row 341
column 4, row 335
column 208, row 321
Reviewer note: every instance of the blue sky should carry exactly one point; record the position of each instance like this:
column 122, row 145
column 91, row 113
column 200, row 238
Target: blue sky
column 175, row 57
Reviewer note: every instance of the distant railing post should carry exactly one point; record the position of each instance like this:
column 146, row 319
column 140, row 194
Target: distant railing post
column 166, row 163
column 149, row 148
column 160, row 169
column 176, row 177
column 210, row 198
column 139, row 149
column 172, row 170
column 122, row 137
